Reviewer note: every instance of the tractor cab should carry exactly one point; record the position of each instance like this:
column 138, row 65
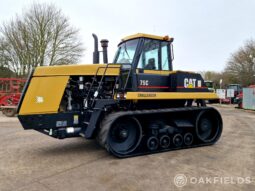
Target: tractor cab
column 146, row 61
column 145, row 52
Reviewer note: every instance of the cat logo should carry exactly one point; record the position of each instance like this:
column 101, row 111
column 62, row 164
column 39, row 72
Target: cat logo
column 39, row 99
column 189, row 82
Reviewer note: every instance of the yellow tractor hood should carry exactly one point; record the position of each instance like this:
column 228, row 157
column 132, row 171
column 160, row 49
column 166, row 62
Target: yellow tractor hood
column 74, row 70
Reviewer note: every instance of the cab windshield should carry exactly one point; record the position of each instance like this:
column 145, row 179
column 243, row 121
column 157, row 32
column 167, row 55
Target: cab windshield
column 126, row 51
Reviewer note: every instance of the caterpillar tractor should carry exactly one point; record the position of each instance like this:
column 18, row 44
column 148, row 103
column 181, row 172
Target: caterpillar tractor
column 137, row 105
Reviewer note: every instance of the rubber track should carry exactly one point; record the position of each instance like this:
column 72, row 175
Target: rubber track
column 110, row 118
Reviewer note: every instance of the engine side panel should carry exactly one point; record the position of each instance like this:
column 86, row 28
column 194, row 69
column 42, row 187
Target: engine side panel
column 43, row 95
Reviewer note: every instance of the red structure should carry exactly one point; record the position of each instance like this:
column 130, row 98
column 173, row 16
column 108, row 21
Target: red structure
column 10, row 92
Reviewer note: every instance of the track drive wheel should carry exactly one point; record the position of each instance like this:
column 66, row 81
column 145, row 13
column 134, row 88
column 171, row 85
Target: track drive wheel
column 124, row 136
column 208, row 126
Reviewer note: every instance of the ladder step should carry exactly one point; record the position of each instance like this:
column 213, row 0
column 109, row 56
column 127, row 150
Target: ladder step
column 97, row 108
column 94, row 109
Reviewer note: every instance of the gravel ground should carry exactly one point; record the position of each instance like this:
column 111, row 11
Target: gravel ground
column 33, row 161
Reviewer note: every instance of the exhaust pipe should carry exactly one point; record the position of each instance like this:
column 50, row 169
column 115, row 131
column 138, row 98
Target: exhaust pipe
column 104, row 44
column 96, row 52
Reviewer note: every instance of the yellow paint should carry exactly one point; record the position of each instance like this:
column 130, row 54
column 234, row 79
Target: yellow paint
column 142, row 35
column 84, row 69
column 43, row 95
column 159, row 72
column 190, row 86
column 165, row 72
column 170, row 95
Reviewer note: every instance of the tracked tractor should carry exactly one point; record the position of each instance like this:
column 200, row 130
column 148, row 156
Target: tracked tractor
column 136, row 105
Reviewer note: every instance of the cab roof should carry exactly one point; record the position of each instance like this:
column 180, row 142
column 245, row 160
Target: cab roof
column 143, row 35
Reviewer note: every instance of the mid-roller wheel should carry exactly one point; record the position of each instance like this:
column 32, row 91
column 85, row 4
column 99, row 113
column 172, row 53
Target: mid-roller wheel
column 188, row 139
column 164, row 141
column 178, row 140
column 152, row 143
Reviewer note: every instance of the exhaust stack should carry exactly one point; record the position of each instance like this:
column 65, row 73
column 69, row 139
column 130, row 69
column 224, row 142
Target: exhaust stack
column 96, row 52
column 104, row 44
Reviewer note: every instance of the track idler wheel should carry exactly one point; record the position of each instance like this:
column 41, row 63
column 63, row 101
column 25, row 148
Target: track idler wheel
column 188, row 139
column 178, row 140
column 124, row 136
column 164, row 141
column 152, row 143
column 208, row 126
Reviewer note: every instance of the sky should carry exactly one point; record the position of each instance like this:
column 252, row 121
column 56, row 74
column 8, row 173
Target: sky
column 205, row 33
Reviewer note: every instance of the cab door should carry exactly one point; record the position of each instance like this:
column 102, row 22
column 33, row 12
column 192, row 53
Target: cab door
column 154, row 66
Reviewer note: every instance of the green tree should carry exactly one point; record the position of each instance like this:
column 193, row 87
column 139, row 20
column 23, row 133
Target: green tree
column 241, row 65
column 40, row 36
column 6, row 72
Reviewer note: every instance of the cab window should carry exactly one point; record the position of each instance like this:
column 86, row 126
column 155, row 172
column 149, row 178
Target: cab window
column 149, row 58
column 164, row 55
column 126, row 52
column 155, row 55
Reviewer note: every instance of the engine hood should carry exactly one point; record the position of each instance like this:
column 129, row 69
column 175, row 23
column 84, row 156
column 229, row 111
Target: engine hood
column 78, row 69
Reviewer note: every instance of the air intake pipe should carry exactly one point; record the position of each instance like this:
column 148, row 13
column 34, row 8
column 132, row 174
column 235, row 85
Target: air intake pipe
column 104, row 44
column 96, row 52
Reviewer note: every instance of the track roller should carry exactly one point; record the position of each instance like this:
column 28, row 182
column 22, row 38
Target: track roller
column 164, row 141
column 178, row 140
column 188, row 139
column 152, row 143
